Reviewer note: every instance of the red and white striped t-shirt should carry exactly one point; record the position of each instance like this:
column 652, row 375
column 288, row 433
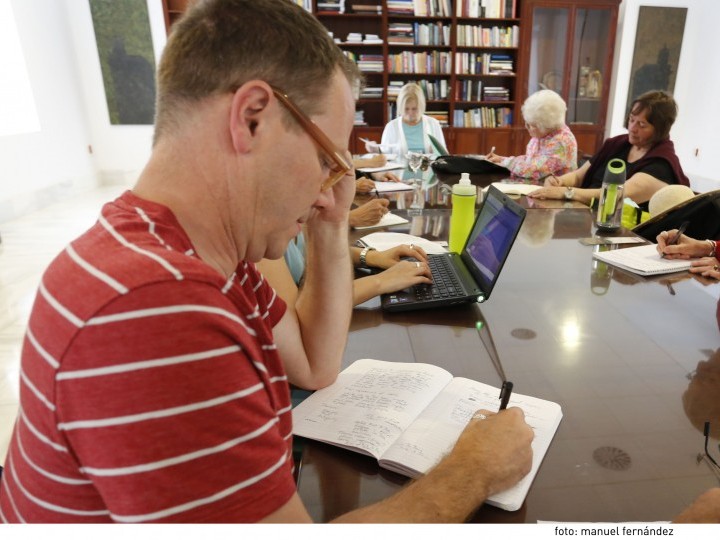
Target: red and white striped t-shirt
column 151, row 388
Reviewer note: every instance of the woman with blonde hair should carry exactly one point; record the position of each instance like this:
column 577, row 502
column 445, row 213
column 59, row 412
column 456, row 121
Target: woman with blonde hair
column 409, row 131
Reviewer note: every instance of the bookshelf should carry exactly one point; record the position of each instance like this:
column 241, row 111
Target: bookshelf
column 468, row 57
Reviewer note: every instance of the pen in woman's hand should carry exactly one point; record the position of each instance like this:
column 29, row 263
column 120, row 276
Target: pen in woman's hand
column 677, row 236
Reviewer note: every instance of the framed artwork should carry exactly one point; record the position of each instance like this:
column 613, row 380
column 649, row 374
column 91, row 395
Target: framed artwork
column 657, row 50
column 127, row 59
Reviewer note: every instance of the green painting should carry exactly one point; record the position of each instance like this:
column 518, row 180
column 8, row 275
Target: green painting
column 127, row 60
column 658, row 42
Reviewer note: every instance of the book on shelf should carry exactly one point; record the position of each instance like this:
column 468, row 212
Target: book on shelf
column 372, row 39
column 643, row 260
column 409, row 415
column 495, row 36
column 489, row 9
column 331, row 7
column 366, row 8
column 371, row 92
column 401, row 7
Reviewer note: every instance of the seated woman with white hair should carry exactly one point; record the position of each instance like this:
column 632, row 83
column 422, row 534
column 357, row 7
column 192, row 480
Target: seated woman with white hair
column 552, row 148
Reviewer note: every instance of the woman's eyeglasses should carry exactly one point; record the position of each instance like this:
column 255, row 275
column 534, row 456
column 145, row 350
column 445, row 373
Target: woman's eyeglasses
column 337, row 162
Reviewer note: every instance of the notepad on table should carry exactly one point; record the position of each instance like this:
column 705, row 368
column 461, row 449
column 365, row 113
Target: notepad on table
column 409, row 415
column 387, row 240
column 391, row 187
column 387, row 220
column 643, row 260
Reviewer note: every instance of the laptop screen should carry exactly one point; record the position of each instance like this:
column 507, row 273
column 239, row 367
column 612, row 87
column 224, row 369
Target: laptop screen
column 491, row 238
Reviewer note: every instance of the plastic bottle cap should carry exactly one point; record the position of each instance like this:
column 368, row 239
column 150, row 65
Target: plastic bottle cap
column 465, row 179
column 615, row 166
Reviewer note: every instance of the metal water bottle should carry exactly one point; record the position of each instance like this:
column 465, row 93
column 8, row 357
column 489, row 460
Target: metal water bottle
column 609, row 213
column 462, row 215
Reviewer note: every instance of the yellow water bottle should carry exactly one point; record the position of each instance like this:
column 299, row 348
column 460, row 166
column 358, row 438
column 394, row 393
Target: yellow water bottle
column 462, row 216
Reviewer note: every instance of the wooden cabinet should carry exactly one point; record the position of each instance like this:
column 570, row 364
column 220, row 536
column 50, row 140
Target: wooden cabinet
column 568, row 47
column 173, row 9
column 476, row 67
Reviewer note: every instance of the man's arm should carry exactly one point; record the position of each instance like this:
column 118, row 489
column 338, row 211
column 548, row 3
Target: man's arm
column 311, row 338
column 491, row 455
column 705, row 509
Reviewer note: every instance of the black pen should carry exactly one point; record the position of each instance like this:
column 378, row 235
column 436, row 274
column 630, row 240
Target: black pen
column 505, row 392
column 680, row 232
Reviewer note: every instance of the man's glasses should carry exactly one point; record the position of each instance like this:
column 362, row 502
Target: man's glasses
column 336, row 161
column 706, row 455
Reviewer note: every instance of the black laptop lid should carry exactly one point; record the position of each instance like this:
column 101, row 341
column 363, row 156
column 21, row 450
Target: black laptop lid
column 491, row 238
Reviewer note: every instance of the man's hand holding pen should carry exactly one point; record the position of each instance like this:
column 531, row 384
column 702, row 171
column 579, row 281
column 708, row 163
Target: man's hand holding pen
column 496, row 447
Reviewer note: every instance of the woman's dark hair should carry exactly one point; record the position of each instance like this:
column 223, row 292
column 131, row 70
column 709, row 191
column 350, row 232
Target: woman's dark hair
column 661, row 112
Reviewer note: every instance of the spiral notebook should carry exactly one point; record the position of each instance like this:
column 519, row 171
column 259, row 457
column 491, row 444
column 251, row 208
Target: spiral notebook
column 643, row 260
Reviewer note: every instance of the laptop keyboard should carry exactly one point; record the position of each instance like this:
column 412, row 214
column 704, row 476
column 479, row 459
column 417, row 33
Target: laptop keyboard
column 445, row 283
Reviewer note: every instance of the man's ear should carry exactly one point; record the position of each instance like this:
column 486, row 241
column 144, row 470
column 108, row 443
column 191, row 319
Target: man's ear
column 249, row 114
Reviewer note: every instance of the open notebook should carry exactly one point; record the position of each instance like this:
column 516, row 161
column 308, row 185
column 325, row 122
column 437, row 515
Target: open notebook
column 643, row 260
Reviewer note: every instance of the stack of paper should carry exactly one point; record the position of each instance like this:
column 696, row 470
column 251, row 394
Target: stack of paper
column 382, row 241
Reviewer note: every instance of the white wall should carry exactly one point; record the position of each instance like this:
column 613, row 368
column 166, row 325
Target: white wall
column 120, row 152
column 34, row 165
column 696, row 86
column 58, row 42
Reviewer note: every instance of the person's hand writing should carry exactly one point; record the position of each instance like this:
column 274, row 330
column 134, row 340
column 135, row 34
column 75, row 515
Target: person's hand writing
column 548, row 192
column 386, row 176
column 684, row 248
column 364, row 185
column 369, row 213
column 392, row 256
column 494, row 451
column 552, row 180
column 492, row 156
column 372, row 147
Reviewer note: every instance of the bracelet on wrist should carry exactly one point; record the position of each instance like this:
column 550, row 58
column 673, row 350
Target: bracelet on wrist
column 713, row 247
column 363, row 256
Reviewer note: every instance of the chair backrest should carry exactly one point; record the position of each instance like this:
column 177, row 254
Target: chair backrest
column 702, row 212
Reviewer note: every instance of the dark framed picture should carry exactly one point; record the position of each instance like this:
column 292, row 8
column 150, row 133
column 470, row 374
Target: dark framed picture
column 127, row 59
column 658, row 42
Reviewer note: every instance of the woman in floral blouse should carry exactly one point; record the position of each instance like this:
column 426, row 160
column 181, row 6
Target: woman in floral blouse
column 552, row 148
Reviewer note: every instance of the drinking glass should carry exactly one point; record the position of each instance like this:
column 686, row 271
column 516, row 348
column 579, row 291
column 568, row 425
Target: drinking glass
column 414, row 160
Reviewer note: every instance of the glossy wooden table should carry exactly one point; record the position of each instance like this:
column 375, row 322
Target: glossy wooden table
column 634, row 363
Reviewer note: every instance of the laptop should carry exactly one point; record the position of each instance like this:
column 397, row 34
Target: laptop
column 471, row 275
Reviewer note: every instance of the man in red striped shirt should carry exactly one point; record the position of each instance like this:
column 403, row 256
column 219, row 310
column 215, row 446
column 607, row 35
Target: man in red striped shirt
column 155, row 368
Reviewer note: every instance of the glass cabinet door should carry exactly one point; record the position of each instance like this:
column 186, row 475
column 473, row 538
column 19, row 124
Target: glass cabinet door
column 588, row 75
column 569, row 54
column 548, row 49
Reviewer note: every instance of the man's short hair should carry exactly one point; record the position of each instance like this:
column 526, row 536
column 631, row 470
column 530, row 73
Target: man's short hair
column 219, row 45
